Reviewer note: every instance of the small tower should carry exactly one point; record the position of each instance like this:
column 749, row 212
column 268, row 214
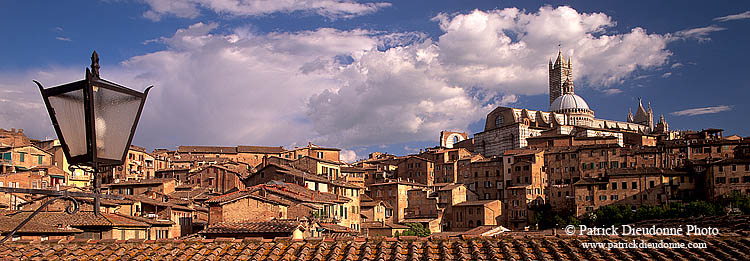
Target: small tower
column 650, row 117
column 630, row 114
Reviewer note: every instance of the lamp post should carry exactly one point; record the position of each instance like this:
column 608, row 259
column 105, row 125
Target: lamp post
column 95, row 120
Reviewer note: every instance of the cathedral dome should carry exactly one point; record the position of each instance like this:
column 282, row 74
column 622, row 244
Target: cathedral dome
column 568, row 101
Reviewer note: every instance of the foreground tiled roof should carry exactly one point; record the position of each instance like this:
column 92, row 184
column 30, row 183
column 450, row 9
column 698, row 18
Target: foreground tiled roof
column 534, row 248
column 275, row 226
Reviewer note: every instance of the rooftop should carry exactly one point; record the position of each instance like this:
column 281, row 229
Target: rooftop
column 404, row 248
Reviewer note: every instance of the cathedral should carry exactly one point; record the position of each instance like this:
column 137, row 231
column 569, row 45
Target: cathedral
column 569, row 116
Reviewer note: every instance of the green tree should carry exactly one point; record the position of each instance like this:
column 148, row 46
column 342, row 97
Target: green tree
column 416, row 229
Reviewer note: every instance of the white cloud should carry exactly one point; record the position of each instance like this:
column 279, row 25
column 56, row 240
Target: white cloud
column 348, row 156
column 507, row 50
column 64, row 39
column 612, row 91
column 344, row 89
column 704, row 110
column 677, row 65
column 700, row 33
column 744, row 15
column 327, row 8
column 666, row 75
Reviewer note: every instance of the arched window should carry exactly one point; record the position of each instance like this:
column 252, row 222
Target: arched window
column 471, row 223
column 499, row 121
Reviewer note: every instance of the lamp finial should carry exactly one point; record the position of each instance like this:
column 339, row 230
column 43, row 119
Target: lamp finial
column 95, row 64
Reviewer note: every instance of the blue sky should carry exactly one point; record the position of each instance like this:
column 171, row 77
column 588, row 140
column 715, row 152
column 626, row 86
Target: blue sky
column 374, row 75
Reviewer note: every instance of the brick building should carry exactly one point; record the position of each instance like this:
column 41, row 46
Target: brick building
column 138, row 165
column 394, row 192
column 312, row 150
column 471, row 214
column 218, row 178
column 245, row 206
column 417, row 169
column 634, row 187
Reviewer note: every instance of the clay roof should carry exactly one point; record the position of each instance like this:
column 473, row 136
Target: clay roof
column 336, row 228
column 476, row 203
column 151, row 221
column 644, row 171
column 36, row 225
column 406, row 248
column 450, row 187
column 400, row 182
column 124, row 221
column 141, row 182
column 260, row 149
column 378, row 224
column 294, row 192
column 352, row 170
column 206, row 149
column 226, row 198
column 150, row 201
column 275, row 226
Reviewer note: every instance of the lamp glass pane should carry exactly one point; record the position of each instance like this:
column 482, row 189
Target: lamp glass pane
column 69, row 112
column 114, row 116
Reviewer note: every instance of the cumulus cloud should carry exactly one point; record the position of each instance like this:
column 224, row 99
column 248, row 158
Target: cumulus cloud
column 507, row 49
column 704, row 110
column 699, row 33
column 350, row 88
column 192, row 8
column 677, row 65
column 744, row 15
column 666, row 75
column 348, row 156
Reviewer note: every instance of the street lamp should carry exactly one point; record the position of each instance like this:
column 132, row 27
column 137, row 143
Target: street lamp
column 95, row 120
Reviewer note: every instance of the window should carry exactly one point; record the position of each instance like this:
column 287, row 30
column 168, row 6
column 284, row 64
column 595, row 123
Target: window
column 721, row 168
column 39, row 159
column 320, row 154
column 721, row 180
column 602, row 198
column 624, row 185
column 745, row 179
column 499, row 121
column 21, row 156
column 734, row 180
column 734, row 167
column 614, row 185
column 614, row 197
column 651, row 184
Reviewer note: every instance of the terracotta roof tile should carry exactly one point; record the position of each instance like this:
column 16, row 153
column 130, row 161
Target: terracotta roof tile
column 276, row 226
column 260, row 149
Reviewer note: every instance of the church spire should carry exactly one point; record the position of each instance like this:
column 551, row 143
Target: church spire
column 560, row 59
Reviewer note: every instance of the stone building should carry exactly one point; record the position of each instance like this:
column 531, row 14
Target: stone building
column 394, row 192
column 245, row 206
column 138, row 165
column 569, row 114
column 23, row 157
column 634, row 187
column 312, row 150
column 729, row 175
column 471, row 214
column 416, row 169
column 526, row 188
column 218, row 178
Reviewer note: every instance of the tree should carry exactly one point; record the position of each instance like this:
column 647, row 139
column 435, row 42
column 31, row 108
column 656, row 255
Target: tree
column 416, row 229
